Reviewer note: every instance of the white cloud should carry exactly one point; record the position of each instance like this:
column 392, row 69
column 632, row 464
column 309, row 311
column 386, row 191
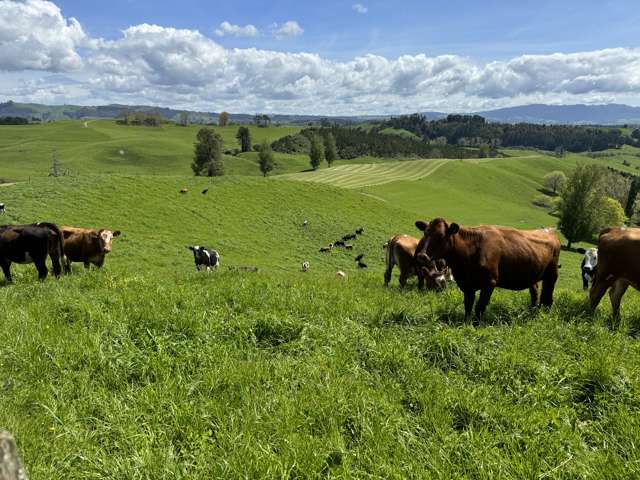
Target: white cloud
column 287, row 29
column 227, row 28
column 360, row 8
column 186, row 69
column 34, row 35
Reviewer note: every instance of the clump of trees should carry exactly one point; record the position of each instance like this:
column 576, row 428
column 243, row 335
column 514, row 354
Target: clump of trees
column 474, row 130
column 223, row 119
column 330, row 149
column 207, row 159
column 554, row 181
column 585, row 207
column 316, row 153
column 244, row 138
column 262, row 120
column 265, row 158
column 147, row 119
column 13, row 121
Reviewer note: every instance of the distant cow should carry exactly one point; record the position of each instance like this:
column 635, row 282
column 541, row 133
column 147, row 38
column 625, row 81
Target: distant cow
column 361, row 264
column 204, row 192
column 2, row 209
column 400, row 251
column 86, row 245
column 359, row 257
column 618, row 266
column 184, row 190
column 348, row 246
column 338, row 243
column 483, row 258
column 340, row 274
column 360, row 231
column 589, row 265
column 348, row 237
column 305, row 266
column 305, row 223
column 31, row 244
column 326, row 249
column 205, row 258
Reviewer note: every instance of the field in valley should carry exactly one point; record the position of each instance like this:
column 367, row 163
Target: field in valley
column 147, row 369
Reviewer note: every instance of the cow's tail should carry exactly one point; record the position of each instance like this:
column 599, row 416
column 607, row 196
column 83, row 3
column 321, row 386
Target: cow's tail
column 390, row 260
column 55, row 232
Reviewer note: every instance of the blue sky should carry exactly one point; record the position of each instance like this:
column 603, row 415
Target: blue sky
column 320, row 57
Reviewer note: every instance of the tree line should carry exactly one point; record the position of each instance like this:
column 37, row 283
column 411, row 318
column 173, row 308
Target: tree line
column 474, row 130
column 14, row 121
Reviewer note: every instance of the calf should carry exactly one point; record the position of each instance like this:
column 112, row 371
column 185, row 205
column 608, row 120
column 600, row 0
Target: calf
column 486, row 257
column 618, row 266
column 205, row 258
column 400, row 251
column 589, row 265
column 31, row 244
column 87, row 245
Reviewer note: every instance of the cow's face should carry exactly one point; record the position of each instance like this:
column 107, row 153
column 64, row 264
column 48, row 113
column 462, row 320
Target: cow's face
column 590, row 260
column 438, row 239
column 105, row 237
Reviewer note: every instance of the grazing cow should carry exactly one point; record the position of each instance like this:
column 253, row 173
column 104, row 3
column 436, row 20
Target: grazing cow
column 618, row 266
column 184, row 190
column 305, row 266
column 340, row 274
column 360, row 231
column 326, row 249
column 31, row 244
column 348, row 237
column 2, row 209
column 204, row 192
column 338, row 243
column 305, row 223
column 400, row 251
column 348, row 246
column 589, row 265
column 359, row 257
column 86, row 245
column 486, row 257
column 361, row 264
column 205, row 258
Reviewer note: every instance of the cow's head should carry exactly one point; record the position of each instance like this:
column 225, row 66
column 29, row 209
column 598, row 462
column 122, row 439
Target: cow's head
column 105, row 237
column 435, row 279
column 438, row 239
column 590, row 260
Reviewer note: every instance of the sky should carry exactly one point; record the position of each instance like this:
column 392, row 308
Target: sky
column 330, row 57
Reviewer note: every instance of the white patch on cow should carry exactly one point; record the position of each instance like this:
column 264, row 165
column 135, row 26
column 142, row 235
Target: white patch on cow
column 206, row 252
column 440, row 278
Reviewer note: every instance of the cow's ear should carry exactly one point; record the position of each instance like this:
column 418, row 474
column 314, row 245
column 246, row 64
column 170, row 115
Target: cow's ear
column 453, row 229
column 117, row 233
column 422, row 225
column 66, row 234
column 581, row 250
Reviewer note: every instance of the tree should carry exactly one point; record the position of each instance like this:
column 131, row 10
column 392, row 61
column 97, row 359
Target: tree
column 223, row 119
column 611, row 214
column 636, row 134
column 330, row 150
column 581, row 200
column 554, row 181
column 631, row 197
column 265, row 158
column 207, row 159
column 483, row 151
column 184, row 119
column 244, row 137
column 316, row 154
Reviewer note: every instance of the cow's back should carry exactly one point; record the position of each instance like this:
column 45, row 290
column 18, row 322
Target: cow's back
column 78, row 243
column 619, row 254
column 401, row 250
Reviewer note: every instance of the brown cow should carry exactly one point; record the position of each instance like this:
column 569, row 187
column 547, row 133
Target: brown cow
column 400, row 251
column 483, row 258
column 618, row 266
column 184, row 190
column 86, row 245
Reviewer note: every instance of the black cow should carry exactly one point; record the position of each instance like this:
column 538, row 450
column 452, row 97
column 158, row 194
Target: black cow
column 351, row 236
column 360, row 231
column 589, row 265
column 31, row 244
column 205, row 258
column 2, row 210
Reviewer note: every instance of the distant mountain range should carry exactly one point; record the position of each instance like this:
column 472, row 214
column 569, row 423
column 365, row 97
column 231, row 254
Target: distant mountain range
column 611, row 114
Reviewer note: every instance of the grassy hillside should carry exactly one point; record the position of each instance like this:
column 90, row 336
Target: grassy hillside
column 106, row 147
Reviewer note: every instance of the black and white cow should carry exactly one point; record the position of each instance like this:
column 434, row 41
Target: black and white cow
column 588, row 266
column 2, row 210
column 205, row 258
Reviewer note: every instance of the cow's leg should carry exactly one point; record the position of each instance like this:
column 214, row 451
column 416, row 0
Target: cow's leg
column 533, row 291
column 403, row 279
column 469, row 299
column 585, row 281
column 483, row 301
column 66, row 264
column 598, row 289
column 55, row 263
column 99, row 263
column 421, row 279
column 548, row 285
column 6, row 269
column 615, row 295
column 41, row 266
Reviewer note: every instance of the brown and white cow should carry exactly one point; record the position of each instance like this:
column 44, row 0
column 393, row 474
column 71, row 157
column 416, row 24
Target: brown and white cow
column 86, row 245
column 618, row 266
column 483, row 258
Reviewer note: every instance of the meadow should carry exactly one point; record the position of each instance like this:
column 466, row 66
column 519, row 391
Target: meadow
column 147, row 369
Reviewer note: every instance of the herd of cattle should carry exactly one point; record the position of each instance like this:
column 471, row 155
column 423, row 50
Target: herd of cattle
column 476, row 258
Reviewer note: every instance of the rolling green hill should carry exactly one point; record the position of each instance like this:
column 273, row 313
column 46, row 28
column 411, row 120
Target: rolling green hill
column 147, row 369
